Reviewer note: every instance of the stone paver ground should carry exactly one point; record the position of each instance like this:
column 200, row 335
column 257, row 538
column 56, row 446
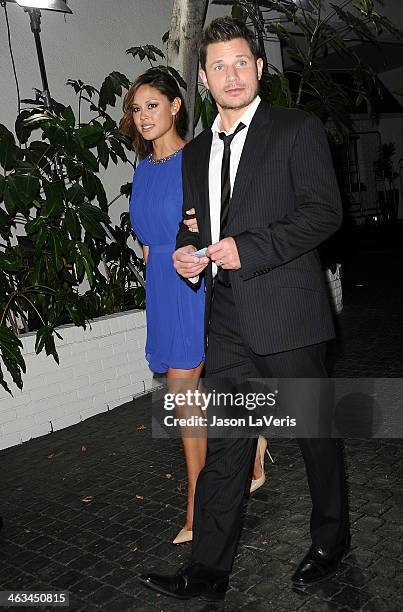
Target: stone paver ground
column 88, row 508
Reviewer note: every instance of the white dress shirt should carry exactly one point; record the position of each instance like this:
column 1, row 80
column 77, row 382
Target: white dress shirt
column 216, row 155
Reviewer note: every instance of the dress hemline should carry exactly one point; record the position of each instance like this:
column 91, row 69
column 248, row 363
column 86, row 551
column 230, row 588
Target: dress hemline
column 176, row 366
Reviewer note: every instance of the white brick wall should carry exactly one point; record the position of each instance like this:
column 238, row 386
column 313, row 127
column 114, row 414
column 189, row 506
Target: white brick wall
column 100, row 368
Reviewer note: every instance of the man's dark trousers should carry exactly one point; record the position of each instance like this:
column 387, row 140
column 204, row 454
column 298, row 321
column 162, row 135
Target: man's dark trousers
column 223, row 485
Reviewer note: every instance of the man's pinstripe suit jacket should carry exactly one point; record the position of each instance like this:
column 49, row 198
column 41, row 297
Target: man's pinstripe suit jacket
column 285, row 203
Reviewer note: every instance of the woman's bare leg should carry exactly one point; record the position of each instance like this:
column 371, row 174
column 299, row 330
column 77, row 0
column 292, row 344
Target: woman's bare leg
column 194, row 439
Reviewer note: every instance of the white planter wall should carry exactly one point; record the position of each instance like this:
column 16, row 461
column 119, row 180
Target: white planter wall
column 100, row 368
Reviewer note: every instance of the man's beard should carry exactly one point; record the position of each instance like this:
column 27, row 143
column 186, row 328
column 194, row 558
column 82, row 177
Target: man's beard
column 234, row 106
column 240, row 104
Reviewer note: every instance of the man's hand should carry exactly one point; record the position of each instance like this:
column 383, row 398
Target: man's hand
column 225, row 254
column 187, row 265
column 191, row 223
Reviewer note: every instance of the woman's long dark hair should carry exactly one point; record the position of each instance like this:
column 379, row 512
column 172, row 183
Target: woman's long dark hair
column 165, row 84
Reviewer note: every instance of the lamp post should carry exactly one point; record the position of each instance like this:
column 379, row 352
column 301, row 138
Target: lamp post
column 33, row 8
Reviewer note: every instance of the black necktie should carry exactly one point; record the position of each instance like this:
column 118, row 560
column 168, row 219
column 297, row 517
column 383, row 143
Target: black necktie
column 223, row 275
column 225, row 176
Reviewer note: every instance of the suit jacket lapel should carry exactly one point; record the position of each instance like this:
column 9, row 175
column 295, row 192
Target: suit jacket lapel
column 253, row 151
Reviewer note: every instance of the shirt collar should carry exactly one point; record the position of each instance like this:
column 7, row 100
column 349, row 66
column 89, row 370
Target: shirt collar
column 246, row 119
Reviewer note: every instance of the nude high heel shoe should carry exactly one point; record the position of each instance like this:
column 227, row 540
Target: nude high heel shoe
column 185, row 535
column 261, row 449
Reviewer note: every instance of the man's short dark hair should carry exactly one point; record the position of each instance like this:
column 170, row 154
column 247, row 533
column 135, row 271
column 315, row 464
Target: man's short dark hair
column 224, row 29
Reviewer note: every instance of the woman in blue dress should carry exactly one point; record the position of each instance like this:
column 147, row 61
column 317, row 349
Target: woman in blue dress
column 155, row 119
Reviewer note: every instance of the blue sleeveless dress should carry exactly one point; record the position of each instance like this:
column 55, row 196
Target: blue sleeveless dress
column 175, row 312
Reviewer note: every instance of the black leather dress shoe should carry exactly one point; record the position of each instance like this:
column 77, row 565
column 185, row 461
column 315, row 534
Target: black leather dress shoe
column 318, row 565
column 195, row 580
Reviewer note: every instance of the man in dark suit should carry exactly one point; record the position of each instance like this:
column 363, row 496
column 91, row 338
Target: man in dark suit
column 262, row 184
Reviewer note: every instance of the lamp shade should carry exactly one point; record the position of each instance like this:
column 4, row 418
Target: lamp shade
column 46, row 5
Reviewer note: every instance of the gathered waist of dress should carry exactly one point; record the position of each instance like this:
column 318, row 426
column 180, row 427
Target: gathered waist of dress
column 162, row 248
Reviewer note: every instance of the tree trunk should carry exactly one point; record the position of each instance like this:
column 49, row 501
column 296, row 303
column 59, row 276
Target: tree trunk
column 184, row 36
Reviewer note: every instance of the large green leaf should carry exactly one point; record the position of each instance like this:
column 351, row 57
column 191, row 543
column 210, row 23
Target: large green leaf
column 279, row 93
column 72, row 224
column 74, row 170
column 146, row 51
column 89, row 183
column 80, row 270
column 75, row 312
column 91, row 218
column 40, row 240
column 38, row 153
column 25, row 186
column 37, row 118
column 126, row 189
column 69, row 117
column 8, row 153
column 208, row 112
column 111, row 88
column 10, row 263
column 76, row 194
column 10, row 349
column 2, row 187
column 103, row 153
column 5, row 220
column 79, row 86
column 95, row 212
column 6, row 135
column 3, row 382
column 33, row 226
column 57, row 135
column 87, row 261
column 238, row 12
column 94, row 188
column 22, row 130
column 101, row 195
column 117, row 148
column 89, row 135
column 55, row 194
column 57, row 247
column 11, row 201
column 112, row 251
column 45, row 339
column 88, row 158
column 39, row 269
column 177, row 76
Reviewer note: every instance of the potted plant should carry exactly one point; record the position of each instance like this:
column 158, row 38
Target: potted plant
column 386, row 173
column 54, row 223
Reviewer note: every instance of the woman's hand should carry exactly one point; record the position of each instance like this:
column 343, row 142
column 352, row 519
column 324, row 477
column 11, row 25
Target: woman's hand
column 191, row 224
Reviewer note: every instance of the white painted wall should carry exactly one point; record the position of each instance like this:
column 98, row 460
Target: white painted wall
column 100, row 368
